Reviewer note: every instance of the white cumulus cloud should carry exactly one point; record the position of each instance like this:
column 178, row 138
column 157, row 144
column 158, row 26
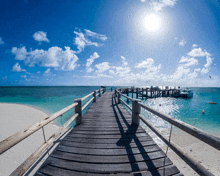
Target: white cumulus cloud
column 102, row 67
column 88, row 70
column 91, row 59
column 198, row 52
column 145, row 64
column 95, row 35
column 1, row 41
column 159, row 4
column 120, row 71
column 124, row 61
column 17, row 68
column 194, row 45
column 189, row 61
column 182, row 42
column 84, row 39
column 207, row 66
column 47, row 71
column 40, row 36
column 53, row 57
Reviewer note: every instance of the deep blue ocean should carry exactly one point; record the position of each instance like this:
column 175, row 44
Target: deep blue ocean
column 54, row 98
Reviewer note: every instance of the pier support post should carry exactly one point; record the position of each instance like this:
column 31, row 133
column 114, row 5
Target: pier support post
column 142, row 93
column 78, row 109
column 136, row 110
column 119, row 96
column 132, row 91
column 94, row 96
column 99, row 93
column 127, row 91
column 137, row 89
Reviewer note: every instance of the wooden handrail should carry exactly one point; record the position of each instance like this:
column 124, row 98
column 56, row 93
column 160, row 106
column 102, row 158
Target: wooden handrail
column 125, row 96
column 18, row 137
column 196, row 166
column 129, row 107
column 203, row 136
column 84, row 107
column 39, row 152
column 87, row 96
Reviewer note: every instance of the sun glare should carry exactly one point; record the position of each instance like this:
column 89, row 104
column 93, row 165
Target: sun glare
column 152, row 23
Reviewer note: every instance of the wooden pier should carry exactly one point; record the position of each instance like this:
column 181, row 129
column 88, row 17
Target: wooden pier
column 152, row 92
column 107, row 140
column 106, row 143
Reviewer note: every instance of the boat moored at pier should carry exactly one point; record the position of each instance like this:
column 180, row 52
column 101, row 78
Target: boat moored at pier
column 186, row 93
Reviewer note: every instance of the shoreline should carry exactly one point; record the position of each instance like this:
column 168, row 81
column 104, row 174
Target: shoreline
column 17, row 117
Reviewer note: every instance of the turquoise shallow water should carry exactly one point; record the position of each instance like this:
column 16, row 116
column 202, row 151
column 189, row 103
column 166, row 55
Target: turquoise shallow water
column 188, row 110
column 50, row 99
column 53, row 99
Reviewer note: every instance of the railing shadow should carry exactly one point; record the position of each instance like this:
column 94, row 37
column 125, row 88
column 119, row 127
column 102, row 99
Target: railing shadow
column 126, row 139
column 50, row 149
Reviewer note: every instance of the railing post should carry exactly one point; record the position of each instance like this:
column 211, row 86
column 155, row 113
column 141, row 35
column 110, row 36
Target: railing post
column 137, row 89
column 136, row 110
column 94, row 96
column 99, row 93
column 78, row 109
column 119, row 96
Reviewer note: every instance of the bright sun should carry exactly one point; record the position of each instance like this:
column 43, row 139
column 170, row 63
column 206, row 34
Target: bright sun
column 152, row 23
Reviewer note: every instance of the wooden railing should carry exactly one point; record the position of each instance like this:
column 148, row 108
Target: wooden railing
column 203, row 136
column 11, row 141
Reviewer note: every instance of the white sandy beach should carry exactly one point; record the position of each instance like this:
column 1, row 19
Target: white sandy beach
column 15, row 118
column 206, row 155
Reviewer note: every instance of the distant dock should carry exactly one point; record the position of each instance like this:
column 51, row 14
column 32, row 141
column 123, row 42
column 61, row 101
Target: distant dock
column 152, row 92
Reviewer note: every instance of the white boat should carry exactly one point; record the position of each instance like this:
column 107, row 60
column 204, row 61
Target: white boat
column 186, row 93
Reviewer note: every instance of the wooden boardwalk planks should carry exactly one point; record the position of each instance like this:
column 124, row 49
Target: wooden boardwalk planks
column 106, row 143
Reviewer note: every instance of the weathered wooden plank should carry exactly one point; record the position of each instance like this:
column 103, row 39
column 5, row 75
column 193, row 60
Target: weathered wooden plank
column 109, row 159
column 101, row 132
column 108, row 168
column 109, row 136
column 105, row 146
column 104, row 152
column 108, row 141
column 108, row 123
column 104, row 119
column 167, row 171
column 40, row 174
column 91, row 128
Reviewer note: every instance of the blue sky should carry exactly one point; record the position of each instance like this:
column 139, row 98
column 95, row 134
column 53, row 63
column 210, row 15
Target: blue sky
column 100, row 42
